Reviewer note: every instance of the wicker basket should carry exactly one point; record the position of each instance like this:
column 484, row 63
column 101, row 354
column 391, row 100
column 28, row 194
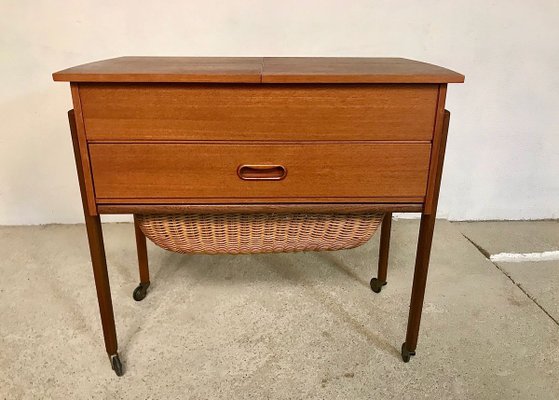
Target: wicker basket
column 239, row 233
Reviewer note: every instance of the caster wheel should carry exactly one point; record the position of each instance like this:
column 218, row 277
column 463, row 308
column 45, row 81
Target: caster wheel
column 377, row 285
column 406, row 354
column 140, row 292
column 117, row 365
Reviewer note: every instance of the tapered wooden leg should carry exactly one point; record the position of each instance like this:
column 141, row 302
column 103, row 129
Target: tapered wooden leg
column 378, row 282
column 141, row 291
column 101, row 276
column 419, row 281
column 424, row 253
column 98, row 261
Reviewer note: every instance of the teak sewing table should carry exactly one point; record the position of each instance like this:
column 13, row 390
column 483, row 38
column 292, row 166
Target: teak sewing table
column 267, row 136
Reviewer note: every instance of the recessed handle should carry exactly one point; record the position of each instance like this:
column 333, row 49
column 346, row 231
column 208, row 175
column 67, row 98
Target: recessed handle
column 261, row 172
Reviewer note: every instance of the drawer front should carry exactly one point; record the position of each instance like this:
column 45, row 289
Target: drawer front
column 295, row 172
column 258, row 112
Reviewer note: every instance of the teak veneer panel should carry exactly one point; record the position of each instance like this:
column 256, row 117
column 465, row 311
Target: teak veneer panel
column 200, row 201
column 259, row 69
column 166, row 69
column 326, row 170
column 353, row 70
column 256, row 208
column 258, row 112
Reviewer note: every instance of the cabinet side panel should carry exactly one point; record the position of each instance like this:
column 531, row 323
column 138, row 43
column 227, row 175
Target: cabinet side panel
column 84, row 155
column 437, row 153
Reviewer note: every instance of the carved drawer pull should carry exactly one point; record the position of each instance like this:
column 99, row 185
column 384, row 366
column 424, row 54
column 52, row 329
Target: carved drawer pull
column 261, row 172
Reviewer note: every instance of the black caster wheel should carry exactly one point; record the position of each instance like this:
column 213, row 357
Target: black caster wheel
column 140, row 292
column 406, row 354
column 377, row 285
column 117, row 365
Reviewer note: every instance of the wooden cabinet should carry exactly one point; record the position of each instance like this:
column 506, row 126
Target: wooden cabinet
column 268, row 135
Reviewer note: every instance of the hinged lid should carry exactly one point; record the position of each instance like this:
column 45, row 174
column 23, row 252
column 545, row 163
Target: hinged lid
column 259, row 70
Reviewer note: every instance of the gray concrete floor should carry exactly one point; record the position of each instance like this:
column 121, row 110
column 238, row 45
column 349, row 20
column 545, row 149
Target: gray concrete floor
column 538, row 280
column 281, row 326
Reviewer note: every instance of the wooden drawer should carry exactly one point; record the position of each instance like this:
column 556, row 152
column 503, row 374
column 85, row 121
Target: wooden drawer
column 314, row 171
column 258, row 112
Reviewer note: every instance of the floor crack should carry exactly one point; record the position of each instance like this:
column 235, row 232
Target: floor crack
column 487, row 255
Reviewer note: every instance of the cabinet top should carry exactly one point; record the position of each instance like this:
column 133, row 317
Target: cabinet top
column 259, row 70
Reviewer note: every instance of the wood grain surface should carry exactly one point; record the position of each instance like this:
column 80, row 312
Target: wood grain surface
column 77, row 129
column 437, row 151
column 353, row 70
column 327, row 170
column 166, row 69
column 258, row 112
column 259, row 69
column 340, row 208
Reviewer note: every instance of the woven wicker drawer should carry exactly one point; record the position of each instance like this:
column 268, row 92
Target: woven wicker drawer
column 258, row 233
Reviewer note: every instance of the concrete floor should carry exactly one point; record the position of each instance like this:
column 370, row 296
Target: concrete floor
column 281, row 326
column 538, row 280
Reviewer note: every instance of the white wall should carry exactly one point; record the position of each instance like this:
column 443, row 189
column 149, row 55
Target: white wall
column 503, row 150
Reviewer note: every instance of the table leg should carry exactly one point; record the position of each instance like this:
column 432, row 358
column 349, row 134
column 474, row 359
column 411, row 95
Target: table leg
column 98, row 261
column 141, row 291
column 423, row 253
column 419, row 282
column 101, row 276
column 378, row 282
